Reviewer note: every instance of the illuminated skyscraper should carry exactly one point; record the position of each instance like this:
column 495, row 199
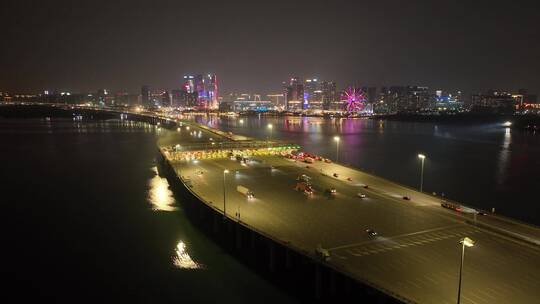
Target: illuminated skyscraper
column 329, row 95
column 205, row 87
column 313, row 94
column 189, row 84
column 211, row 91
column 294, row 94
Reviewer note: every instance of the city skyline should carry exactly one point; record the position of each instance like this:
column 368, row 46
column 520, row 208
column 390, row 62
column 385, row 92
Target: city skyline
column 308, row 151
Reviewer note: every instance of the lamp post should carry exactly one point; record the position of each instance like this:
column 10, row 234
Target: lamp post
column 464, row 242
column 224, row 212
column 422, row 157
column 336, row 138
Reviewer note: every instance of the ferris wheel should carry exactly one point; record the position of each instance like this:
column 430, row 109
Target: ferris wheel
column 356, row 100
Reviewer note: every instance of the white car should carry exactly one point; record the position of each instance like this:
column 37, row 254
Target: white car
column 361, row 195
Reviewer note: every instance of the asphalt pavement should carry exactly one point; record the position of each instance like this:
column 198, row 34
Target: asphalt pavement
column 416, row 253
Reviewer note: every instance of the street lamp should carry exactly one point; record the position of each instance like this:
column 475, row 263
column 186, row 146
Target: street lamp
column 224, row 213
column 422, row 157
column 336, row 138
column 464, row 242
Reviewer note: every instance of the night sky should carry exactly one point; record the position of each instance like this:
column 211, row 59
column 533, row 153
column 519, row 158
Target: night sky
column 255, row 45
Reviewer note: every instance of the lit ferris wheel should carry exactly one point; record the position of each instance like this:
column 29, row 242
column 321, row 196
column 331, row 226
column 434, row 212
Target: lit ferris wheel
column 356, row 100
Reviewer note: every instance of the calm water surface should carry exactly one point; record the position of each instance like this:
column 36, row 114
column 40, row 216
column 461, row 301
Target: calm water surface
column 88, row 219
column 483, row 165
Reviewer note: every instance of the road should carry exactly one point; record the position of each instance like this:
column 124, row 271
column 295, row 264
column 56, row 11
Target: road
column 416, row 253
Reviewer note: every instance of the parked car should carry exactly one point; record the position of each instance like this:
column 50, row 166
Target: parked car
column 361, row 195
column 336, row 175
column 407, row 198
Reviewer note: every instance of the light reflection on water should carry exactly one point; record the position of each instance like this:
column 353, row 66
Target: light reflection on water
column 182, row 258
column 159, row 194
column 504, row 156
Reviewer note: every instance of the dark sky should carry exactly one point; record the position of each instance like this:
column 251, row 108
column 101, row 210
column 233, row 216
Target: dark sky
column 255, row 45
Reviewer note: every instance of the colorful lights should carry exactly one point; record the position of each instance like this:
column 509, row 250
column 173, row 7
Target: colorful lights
column 356, row 100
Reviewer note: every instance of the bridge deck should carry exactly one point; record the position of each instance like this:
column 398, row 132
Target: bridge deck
column 416, row 254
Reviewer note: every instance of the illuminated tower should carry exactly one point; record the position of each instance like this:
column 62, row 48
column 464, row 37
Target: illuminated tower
column 294, row 94
column 313, row 94
column 211, row 91
column 206, row 88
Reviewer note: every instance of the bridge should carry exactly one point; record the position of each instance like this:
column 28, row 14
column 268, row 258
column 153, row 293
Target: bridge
column 415, row 256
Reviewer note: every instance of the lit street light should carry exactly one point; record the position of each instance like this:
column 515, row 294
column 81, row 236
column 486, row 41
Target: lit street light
column 224, row 212
column 336, row 138
column 464, row 242
column 422, row 157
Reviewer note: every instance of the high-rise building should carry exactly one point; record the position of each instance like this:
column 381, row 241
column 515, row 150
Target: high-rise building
column 183, row 99
column 145, row 95
column 126, row 99
column 294, row 94
column 418, row 99
column 211, row 91
column 166, row 99
column 206, row 88
column 313, row 94
column 189, row 84
column 496, row 102
column 330, row 96
column 370, row 93
column 102, row 95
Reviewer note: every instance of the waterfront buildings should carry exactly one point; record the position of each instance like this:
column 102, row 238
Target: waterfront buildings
column 311, row 94
column 294, row 94
column 494, row 102
column 206, row 89
column 307, row 95
column 145, row 95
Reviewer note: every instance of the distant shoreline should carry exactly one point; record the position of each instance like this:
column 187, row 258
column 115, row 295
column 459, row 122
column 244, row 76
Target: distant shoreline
column 523, row 122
